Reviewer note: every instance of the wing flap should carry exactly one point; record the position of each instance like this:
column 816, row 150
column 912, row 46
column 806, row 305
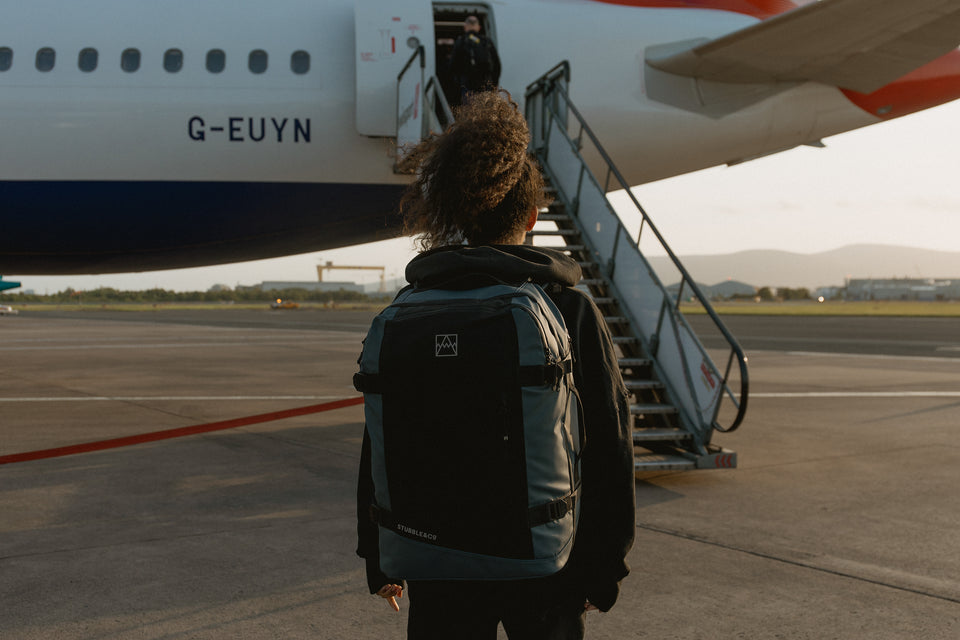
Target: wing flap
column 854, row 44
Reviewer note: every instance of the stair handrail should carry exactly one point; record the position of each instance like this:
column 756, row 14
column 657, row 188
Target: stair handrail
column 409, row 106
column 433, row 95
column 538, row 93
column 418, row 107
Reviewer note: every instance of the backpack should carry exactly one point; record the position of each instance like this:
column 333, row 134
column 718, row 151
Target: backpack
column 475, row 433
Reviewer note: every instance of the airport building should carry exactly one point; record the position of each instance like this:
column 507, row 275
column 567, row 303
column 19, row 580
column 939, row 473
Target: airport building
column 388, row 286
column 925, row 289
column 322, row 287
column 381, row 286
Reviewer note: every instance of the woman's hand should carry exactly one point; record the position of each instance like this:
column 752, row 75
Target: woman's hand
column 390, row 592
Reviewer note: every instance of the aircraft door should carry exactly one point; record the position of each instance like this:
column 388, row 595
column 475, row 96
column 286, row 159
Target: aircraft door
column 388, row 33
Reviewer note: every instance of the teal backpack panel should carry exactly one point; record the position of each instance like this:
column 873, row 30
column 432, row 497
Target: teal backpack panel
column 475, row 432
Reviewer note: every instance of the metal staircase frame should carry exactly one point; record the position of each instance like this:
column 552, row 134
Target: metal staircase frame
column 433, row 113
column 679, row 390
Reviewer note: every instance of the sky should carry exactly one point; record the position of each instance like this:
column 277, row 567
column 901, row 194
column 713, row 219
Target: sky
column 893, row 183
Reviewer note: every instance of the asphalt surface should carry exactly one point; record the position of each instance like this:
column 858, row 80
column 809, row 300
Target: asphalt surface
column 939, row 337
column 840, row 521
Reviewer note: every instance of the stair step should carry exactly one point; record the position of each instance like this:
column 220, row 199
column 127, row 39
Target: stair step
column 661, row 462
column 565, row 247
column 624, row 340
column 634, row 362
column 553, row 232
column 651, row 409
column 552, row 217
column 601, row 301
column 718, row 458
column 615, row 319
column 641, row 385
column 659, row 435
column 593, row 281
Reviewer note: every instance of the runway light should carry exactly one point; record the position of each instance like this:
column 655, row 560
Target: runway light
column 820, row 299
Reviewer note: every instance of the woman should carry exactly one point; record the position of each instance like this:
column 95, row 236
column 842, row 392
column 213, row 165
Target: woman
column 476, row 195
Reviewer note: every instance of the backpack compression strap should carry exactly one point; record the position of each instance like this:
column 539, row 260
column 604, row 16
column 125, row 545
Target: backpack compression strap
column 536, row 516
column 367, row 382
column 545, row 374
column 544, row 513
column 529, row 376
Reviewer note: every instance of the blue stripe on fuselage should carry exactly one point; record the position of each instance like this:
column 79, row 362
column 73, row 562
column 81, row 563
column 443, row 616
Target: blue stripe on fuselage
column 66, row 227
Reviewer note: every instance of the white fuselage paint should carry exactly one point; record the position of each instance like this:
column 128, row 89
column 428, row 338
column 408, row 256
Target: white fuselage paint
column 109, row 124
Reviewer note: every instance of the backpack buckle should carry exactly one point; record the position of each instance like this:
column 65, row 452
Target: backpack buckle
column 551, row 511
column 557, row 510
column 554, row 372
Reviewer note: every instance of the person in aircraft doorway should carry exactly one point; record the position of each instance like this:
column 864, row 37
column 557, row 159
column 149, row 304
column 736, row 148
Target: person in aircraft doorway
column 475, row 64
column 477, row 194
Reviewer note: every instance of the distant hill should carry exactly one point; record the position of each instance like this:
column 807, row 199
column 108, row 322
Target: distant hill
column 767, row 267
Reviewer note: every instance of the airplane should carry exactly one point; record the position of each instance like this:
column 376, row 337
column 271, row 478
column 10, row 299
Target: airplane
column 139, row 135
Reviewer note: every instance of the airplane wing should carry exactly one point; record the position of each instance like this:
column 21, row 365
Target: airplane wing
column 853, row 44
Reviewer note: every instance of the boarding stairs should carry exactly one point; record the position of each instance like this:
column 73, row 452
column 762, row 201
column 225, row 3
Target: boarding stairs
column 422, row 108
column 679, row 397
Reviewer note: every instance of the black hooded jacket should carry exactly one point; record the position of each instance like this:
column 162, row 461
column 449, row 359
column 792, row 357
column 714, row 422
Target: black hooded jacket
column 605, row 532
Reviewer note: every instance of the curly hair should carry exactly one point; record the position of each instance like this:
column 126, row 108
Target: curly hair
column 476, row 182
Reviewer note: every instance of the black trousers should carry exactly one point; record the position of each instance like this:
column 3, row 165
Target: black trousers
column 540, row 609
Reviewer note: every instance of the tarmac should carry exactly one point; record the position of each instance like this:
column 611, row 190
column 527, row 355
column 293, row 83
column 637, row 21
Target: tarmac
column 840, row 522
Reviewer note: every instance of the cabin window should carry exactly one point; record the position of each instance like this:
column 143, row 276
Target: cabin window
column 46, row 58
column 87, row 60
column 173, row 60
column 300, row 62
column 6, row 58
column 130, row 60
column 216, row 60
column 258, row 61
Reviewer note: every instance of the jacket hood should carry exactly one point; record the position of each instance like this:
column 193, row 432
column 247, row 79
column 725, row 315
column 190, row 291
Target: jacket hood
column 504, row 262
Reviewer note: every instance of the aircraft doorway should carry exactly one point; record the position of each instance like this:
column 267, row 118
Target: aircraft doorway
column 387, row 33
column 448, row 18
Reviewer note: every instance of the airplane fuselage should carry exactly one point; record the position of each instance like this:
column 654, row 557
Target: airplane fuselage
column 143, row 135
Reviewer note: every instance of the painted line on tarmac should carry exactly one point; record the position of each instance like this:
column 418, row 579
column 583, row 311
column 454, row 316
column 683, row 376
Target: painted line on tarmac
column 869, row 356
column 806, row 564
column 859, row 394
column 164, row 398
column 218, row 336
column 155, row 345
column 167, row 434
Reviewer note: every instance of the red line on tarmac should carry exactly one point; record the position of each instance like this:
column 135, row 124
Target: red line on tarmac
column 153, row 436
